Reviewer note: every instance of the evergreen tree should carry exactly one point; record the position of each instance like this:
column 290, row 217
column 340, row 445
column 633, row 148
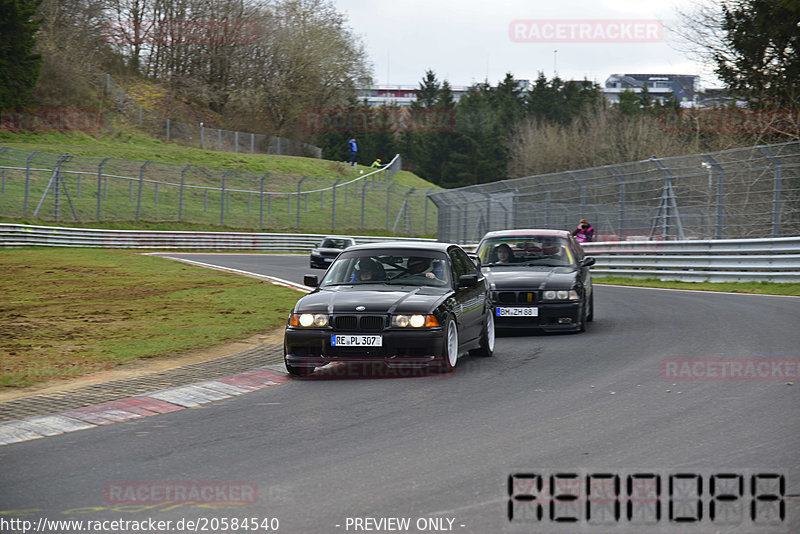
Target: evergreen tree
column 19, row 66
column 762, row 60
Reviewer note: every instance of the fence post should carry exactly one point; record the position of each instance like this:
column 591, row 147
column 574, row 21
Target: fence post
column 236, row 141
column 363, row 201
column 180, row 195
column 712, row 163
column 222, row 199
column 28, row 183
column 141, row 182
column 388, row 199
column 622, row 192
column 140, row 115
column 261, row 202
column 333, row 207
column 299, row 184
column 252, row 143
column 777, row 189
column 202, row 136
column 219, row 139
column 100, row 186
column 669, row 204
column 167, row 130
column 427, row 199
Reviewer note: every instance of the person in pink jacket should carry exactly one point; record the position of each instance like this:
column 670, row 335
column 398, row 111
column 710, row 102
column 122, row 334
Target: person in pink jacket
column 584, row 232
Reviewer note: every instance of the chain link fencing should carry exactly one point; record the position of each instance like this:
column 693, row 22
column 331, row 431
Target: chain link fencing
column 740, row 193
column 199, row 135
column 64, row 188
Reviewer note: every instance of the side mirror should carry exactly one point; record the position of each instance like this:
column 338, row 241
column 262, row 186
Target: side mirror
column 475, row 259
column 310, row 280
column 468, row 280
column 587, row 261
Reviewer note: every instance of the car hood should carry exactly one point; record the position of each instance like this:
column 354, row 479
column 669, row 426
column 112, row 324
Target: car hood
column 329, row 251
column 376, row 298
column 530, row 278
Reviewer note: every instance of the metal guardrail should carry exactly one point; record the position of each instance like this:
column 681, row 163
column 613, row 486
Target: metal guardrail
column 724, row 260
column 728, row 260
column 15, row 235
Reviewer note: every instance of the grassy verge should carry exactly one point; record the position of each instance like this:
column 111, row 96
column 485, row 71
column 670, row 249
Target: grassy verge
column 139, row 147
column 764, row 288
column 135, row 196
column 67, row 313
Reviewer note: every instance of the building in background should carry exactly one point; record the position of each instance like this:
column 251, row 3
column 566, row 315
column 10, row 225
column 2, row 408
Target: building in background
column 402, row 96
column 683, row 87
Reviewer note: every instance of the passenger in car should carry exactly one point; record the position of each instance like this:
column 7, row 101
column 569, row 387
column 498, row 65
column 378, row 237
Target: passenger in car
column 504, row 253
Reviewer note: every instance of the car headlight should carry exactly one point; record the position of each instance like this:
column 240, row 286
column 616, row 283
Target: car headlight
column 561, row 294
column 414, row 321
column 315, row 253
column 308, row 319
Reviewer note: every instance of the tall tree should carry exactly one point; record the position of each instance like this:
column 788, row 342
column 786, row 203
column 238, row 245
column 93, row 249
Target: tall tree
column 763, row 63
column 19, row 65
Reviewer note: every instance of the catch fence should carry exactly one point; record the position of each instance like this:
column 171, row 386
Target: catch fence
column 201, row 135
column 740, row 193
column 64, row 188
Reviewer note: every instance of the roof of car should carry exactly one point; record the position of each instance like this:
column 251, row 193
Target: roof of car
column 404, row 245
column 522, row 232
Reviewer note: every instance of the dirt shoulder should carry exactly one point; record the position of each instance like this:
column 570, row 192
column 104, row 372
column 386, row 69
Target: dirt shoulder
column 143, row 366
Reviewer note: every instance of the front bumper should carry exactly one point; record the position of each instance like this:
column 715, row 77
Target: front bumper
column 311, row 347
column 552, row 317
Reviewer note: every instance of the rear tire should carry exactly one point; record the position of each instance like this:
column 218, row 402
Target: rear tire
column 486, row 348
column 450, row 349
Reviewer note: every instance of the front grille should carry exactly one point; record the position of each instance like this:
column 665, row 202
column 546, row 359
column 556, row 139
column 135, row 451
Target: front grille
column 365, row 323
column 372, row 323
column 516, row 297
column 345, row 322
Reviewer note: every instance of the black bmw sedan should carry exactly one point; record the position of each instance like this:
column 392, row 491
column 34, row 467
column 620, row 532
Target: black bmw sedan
column 404, row 304
column 539, row 279
column 323, row 255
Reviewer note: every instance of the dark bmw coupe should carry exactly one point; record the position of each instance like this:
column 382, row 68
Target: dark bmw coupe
column 404, row 304
column 539, row 279
column 327, row 250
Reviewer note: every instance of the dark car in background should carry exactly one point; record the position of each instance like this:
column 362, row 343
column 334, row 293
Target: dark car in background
column 328, row 249
column 406, row 305
column 539, row 279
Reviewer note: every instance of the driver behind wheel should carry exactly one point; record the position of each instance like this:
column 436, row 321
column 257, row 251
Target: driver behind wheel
column 422, row 266
column 369, row 270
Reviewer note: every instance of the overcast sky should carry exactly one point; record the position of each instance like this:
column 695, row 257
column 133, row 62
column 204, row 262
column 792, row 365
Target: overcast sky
column 468, row 41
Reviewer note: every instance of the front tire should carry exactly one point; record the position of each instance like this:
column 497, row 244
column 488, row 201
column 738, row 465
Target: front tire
column 486, row 348
column 590, row 317
column 450, row 349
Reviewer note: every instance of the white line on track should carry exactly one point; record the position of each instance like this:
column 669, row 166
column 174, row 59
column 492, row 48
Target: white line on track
column 698, row 291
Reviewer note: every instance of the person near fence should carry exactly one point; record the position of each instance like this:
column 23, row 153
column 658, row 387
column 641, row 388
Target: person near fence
column 376, row 164
column 584, row 233
column 353, row 152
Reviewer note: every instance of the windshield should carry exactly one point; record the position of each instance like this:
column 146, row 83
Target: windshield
column 418, row 268
column 335, row 243
column 532, row 250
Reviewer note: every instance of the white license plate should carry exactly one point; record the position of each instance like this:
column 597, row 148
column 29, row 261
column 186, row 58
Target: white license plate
column 527, row 311
column 356, row 341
